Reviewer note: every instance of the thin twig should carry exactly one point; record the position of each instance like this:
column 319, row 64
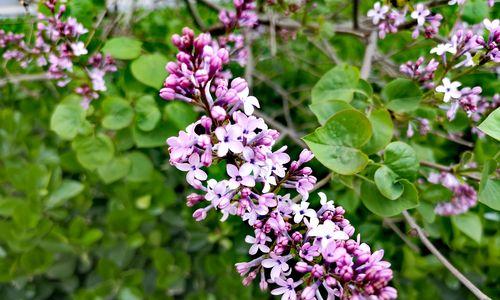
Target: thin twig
column 23, row 77
column 369, row 53
column 249, row 68
column 448, row 169
column 96, row 26
column 272, row 33
column 423, row 237
column 194, row 13
column 355, row 8
column 457, row 140
column 318, row 185
column 211, row 5
column 284, row 130
column 390, row 223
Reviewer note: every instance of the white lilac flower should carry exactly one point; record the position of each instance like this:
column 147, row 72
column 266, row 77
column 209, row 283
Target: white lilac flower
column 450, row 89
column 378, row 12
column 443, row 48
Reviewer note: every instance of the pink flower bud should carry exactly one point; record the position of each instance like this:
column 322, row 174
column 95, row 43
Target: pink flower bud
column 297, row 237
column 317, row 271
column 305, row 156
column 239, row 84
column 206, row 122
column 201, row 77
column 302, row 267
column 223, row 55
column 263, row 284
column 218, row 113
column 331, row 281
column 188, row 32
column 193, row 199
column 176, row 40
column 215, row 65
column 171, row 67
column 308, row 293
column 167, row 93
column 200, row 214
column 206, row 158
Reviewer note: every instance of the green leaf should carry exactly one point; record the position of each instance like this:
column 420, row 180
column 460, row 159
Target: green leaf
column 340, row 83
column 141, row 169
column 122, row 48
column 402, row 95
column 91, row 236
column 334, row 144
column 94, row 151
column 114, row 170
column 153, row 138
column 180, row 114
column 150, row 70
column 148, row 113
column 383, row 129
column 490, row 193
column 340, row 159
column 426, row 210
column 347, row 128
column 491, row 126
column 402, row 159
column 387, row 183
column 475, row 11
column 382, row 206
column 118, row 113
column 325, row 109
column 470, row 225
column 67, row 120
column 67, row 190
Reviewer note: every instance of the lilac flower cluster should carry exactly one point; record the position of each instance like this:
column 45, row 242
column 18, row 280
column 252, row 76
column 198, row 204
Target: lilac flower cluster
column 460, row 2
column 243, row 16
column 386, row 18
column 427, row 22
column 422, row 124
column 57, row 45
column 389, row 20
column 420, row 72
column 299, row 251
column 466, row 44
column 464, row 196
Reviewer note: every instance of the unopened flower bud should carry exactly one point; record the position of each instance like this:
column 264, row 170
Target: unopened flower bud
column 167, row 93
column 200, row 214
column 193, row 199
column 296, row 236
column 302, row 267
column 239, row 84
column 218, row 113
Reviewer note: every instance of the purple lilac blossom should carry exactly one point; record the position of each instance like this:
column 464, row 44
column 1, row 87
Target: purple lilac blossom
column 464, row 196
column 57, row 44
column 291, row 241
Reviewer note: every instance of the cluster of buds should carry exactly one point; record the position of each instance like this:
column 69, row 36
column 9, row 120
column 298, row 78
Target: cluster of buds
column 460, row 2
column 462, row 47
column 243, row 16
column 427, row 22
column 298, row 251
column 418, row 71
column 57, row 46
column 421, row 124
column 464, row 196
column 389, row 20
